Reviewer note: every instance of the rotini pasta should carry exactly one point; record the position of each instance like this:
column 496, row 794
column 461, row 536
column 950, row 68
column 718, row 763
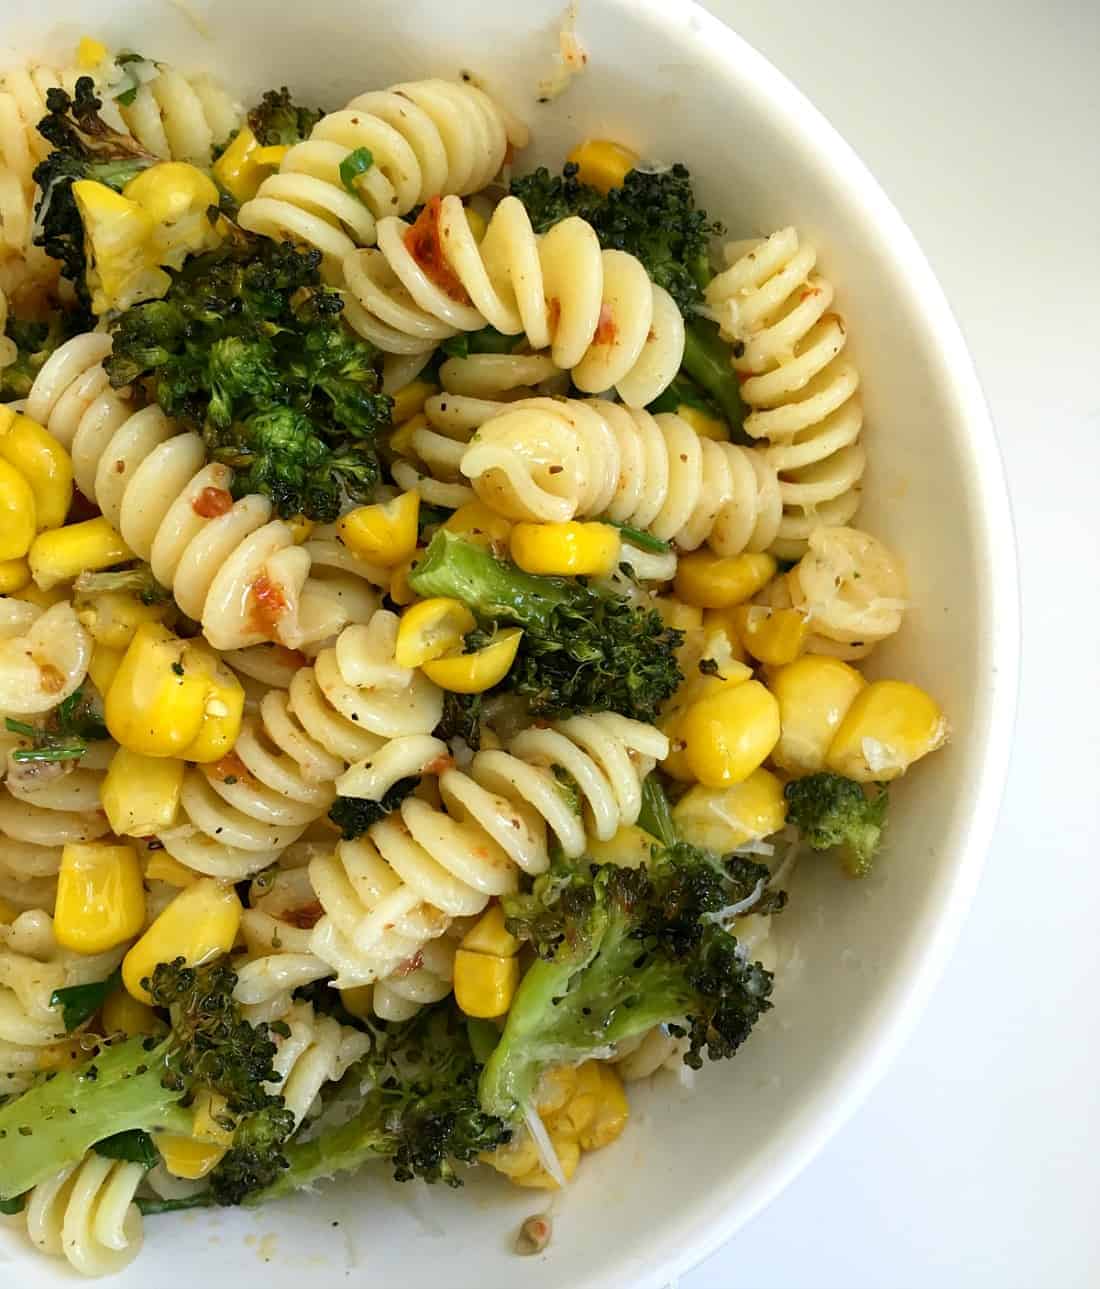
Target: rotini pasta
column 386, row 894
column 244, row 810
column 425, row 138
column 86, row 1214
column 318, row 1050
column 801, row 392
column 551, row 460
column 44, row 656
column 597, row 311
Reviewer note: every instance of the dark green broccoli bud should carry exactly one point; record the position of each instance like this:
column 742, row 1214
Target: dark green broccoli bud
column 832, row 811
column 461, row 719
column 249, row 347
column 137, row 580
column 354, row 815
column 256, row 1158
column 85, row 147
column 582, row 649
column 278, row 121
column 34, row 342
column 147, row 1084
column 622, row 950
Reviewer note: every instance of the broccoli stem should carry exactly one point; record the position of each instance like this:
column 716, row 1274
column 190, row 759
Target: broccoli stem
column 490, row 587
column 340, row 1150
column 54, row 1123
column 707, row 362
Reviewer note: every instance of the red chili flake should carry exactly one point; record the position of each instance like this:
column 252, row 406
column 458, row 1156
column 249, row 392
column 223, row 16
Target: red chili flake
column 743, row 376
column 606, row 330
column 810, row 291
column 553, row 314
column 268, row 604
column 289, row 657
column 51, row 680
column 410, row 965
column 439, row 765
column 509, row 154
column 425, row 245
column 229, row 767
column 305, row 918
column 212, row 502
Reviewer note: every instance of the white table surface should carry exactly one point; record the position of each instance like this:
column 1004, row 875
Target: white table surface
column 976, row 1162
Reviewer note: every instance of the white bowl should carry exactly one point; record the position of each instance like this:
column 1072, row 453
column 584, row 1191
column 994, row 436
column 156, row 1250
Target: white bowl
column 693, row 1167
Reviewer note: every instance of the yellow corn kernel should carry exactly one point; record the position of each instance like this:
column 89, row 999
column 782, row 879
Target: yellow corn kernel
column 571, row 549
column 14, row 575
column 100, row 896
column 272, row 154
column 430, row 629
column 675, row 613
column 385, row 532
column 18, row 515
column 713, row 582
column 889, row 725
column 410, row 399
column 473, row 673
column 481, row 526
column 721, row 819
column 125, row 1015
column 722, row 620
column 400, row 444
column 207, row 1119
column 62, row 553
column 568, row 1150
column 582, row 1106
column 556, row 1087
column 705, row 425
column 814, row 694
column 90, row 53
column 64, row 1055
column 485, row 983
column 8, row 912
column 726, row 737
column 103, row 666
column 300, row 527
column 612, row 1111
column 186, row 1157
column 141, row 794
column 171, row 189
column 490, row 935
column 112, row 617
column 161, row 867
column 514, row 1158
column 602, row 163
column 173, row 697
column 44, row 599
column 772, row 636
column 43, row 462
column 118, row 233
column 200, row 923
column 238, row 170
column 630, row 847
column 401, row 593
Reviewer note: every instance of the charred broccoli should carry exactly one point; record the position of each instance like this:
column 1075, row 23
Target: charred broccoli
column 354, row 815
column 582, row 649
column 249, row 347
column 277, row 120
column 34, row 342
column 621, row 950
column 832, row 811
column 145, row 1085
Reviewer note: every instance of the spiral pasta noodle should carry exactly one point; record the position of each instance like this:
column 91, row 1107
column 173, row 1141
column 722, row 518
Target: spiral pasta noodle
column 551, row 460
column 318, row 1050
column 86, row 1213
column 425, row 138
column 388, row 893
column 802, row 393
column 597, row 311
column 243, row 811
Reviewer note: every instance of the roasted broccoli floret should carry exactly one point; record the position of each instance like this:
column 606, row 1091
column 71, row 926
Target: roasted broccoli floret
column 277, row 120
column 249, row 347
column 653, row 217
column 582, row 649
column 146, row 1085
column 34, row 342
column 354, row 815
column 461, row 719
column 832, row 811
column 85, row 147
column 622, row 950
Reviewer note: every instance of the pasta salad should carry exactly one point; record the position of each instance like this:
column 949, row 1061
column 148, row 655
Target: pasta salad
column 431, row 620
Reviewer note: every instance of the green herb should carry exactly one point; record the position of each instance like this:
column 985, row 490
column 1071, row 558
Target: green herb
column 636, row 537
column 353, row 165
column 78, row 1002
column 63, row 736
column 14, row 1205
column 133, row 1147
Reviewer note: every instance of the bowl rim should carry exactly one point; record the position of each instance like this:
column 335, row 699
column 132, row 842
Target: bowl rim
column 687, row 1240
